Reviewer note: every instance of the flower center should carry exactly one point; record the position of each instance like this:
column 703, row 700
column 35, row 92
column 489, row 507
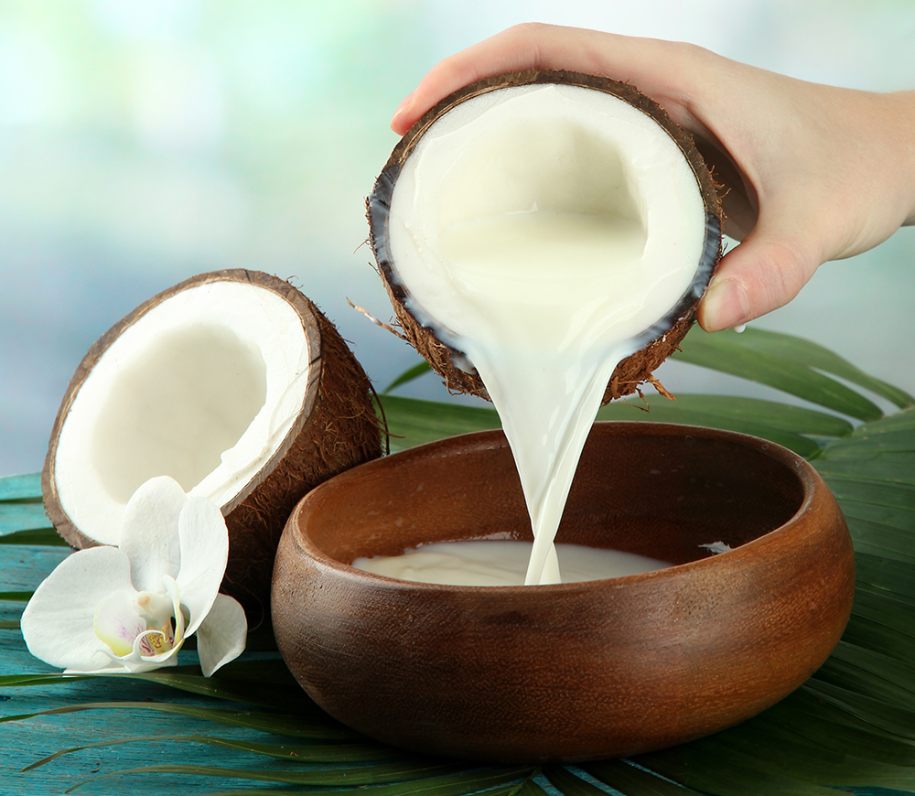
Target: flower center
column 143, row 621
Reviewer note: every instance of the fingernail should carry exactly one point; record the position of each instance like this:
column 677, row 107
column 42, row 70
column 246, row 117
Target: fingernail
column 724, row 305
column 402, row 109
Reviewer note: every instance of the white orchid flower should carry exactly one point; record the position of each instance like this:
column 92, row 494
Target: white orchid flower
column 130, row 608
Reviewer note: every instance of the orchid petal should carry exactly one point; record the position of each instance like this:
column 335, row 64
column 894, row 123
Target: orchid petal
column 149, row 534
column 58, row 622
column 137, row 661
column 171, row 586
column 117, row 622
column 221, row 636
column 156, row 608
column 204, row 552
column 137, row 664
column 111, row 668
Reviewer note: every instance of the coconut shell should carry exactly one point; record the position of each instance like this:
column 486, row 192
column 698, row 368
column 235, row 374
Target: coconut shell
column 335, row 429
column 665, row 336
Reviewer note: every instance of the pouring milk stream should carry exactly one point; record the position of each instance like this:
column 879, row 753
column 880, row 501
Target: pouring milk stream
column 543, row 231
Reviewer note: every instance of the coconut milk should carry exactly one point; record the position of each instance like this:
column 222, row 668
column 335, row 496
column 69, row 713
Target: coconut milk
column 544, row 246
column 501, row 563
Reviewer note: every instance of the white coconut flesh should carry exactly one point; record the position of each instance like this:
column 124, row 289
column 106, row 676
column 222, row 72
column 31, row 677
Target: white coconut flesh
column 203, row 387
column 539, row 195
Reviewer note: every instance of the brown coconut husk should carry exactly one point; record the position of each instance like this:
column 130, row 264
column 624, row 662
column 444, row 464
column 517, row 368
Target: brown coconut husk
column 335, row 429
column 632, row 371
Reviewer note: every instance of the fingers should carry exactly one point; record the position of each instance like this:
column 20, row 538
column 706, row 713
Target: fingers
column 655, row 66
column 763, row 273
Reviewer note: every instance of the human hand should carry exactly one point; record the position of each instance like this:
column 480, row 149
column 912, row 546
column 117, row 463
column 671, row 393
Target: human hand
column 812, row 172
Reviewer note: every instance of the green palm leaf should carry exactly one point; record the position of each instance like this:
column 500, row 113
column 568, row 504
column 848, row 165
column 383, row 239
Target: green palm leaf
column 295, row 753
column 850, row 726
column 563, row 779
column 426, row 779
column 628, row 778
column 411, row 374
column 766, row 352
column 15, row 596
column 44, row 537
column 478, row 781
column 263, row 683
column 293, row 725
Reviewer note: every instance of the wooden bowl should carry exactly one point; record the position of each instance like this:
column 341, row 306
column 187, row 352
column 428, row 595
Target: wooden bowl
column 580, row 670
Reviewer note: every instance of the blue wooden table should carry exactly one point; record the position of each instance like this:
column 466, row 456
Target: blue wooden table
column 852, row 724
column 23, row 567
column 30, row 552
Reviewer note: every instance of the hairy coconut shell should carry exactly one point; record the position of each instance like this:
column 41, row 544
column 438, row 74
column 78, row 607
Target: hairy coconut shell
column 335, row 429
column 446, row 360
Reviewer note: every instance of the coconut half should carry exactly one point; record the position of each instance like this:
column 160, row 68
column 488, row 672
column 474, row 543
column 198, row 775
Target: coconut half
column 593, row 149
column 232, row 383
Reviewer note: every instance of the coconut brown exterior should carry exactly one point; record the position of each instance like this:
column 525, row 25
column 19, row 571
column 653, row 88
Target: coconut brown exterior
column 335, row 429
column 444, row 359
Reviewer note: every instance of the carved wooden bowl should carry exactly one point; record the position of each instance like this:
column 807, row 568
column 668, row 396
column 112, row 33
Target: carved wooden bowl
column 580, row 670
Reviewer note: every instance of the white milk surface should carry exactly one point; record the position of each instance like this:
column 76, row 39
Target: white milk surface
column 542, row 232
column 501, row 563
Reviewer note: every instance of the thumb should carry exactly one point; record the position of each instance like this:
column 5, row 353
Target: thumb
column 763, row 273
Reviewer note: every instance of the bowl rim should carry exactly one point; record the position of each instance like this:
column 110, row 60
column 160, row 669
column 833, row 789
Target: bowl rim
column 812, row 485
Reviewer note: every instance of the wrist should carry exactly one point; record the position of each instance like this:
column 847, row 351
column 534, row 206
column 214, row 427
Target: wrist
column 901, row 118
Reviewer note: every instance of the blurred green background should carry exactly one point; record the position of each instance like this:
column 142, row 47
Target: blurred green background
column 142, row 142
